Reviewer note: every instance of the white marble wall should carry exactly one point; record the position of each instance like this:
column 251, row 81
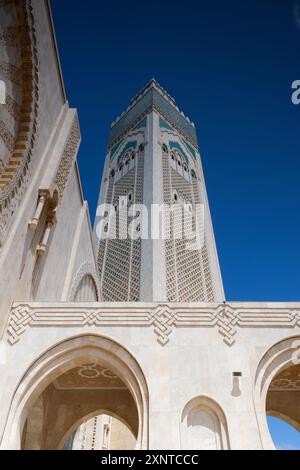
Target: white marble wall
column 195, row 362
column 19, row 278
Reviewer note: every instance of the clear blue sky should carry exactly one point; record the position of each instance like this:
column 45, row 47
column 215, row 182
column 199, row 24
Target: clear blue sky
column 230, row 66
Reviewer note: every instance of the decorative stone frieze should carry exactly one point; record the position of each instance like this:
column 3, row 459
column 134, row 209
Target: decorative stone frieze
column 68, row 157
column 163, row 318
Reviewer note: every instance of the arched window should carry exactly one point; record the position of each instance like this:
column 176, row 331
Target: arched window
column 165, row 148
column 141, row 148
column 130, row 196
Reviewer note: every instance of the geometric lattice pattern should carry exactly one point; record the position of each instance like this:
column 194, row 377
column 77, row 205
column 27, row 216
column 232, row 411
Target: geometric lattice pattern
column 119, row 259
column 188, row 272
column 163, row 318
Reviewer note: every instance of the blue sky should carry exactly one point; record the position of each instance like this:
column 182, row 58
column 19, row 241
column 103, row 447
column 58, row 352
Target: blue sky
column 285, row 437
column 230, row 66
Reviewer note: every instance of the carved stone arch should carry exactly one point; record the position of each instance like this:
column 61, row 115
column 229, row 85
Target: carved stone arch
column 19, row 114
column 63, row 357
column 276, row 359
column 88, row 271
column 204, row 425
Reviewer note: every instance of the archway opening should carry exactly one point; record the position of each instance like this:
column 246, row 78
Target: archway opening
column 102, row 432
column 283, row 407
column 79, row 378
column 87, row 407
column 285, row 436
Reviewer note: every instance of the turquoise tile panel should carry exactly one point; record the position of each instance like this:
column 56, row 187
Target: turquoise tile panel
column 177, row 146
column 191, row 149
column 129, row 146
column 115, row 149
column 164, row 125
column 141, row 125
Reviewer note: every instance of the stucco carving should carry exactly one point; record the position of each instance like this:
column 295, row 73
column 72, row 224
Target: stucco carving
column 22, row 106
column 85, row 269
column 68, row 157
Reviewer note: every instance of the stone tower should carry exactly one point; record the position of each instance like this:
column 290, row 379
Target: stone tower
column 153, row 159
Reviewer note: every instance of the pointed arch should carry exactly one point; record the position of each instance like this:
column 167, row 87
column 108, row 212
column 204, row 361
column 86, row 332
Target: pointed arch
column 204, row 425
column 65, row 356
column 280, row 356
column 85, row 285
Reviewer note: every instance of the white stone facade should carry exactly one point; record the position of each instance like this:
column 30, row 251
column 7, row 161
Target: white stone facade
column 171, row 372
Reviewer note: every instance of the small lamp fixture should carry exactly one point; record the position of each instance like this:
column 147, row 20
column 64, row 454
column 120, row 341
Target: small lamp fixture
column 236, row 389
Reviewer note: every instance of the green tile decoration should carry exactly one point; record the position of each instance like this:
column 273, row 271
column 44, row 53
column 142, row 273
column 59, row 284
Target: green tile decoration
column 177, row 146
